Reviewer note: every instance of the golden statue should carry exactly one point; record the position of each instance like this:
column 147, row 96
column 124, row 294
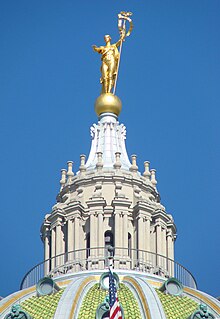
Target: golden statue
column 111, row 55
column 110, row 58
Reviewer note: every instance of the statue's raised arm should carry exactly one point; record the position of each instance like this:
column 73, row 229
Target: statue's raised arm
column 111, row 55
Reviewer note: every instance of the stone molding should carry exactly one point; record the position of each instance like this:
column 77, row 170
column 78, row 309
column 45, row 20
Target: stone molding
column 96, row 202
column 108, row 177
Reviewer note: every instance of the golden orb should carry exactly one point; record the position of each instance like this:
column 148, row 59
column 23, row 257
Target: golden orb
column 108, row 103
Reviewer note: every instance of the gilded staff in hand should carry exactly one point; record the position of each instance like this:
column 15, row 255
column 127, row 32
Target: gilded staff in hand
column 111, row 55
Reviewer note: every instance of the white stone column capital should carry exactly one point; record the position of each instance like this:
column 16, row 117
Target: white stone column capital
column 157, row 225
column 45, row 226
column 162, row 225
column 59, row 222
column 69, row 218
column 169, row 233
column 160, row 222
column 144, row 215
column 47, row 233
column 124, row 213
column 147, row 218
column 139, row 215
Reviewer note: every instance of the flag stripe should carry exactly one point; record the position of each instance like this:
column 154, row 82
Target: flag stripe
column 115, row 309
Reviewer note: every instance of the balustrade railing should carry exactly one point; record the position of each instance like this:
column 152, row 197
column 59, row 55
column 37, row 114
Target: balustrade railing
column 101, row 258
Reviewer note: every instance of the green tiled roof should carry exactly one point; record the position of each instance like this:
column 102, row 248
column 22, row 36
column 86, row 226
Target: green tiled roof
column 176, row 307
column 43, row 307
column 95, row 296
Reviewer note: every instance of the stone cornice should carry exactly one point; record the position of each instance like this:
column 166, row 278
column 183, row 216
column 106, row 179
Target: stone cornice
column 56, row 211
column 57, row 215
column 159, row 214
column 74, row 206
column 73, row 215
column 110, row 177
column 172, row 227
column 95, row 203
column 108, row 210
column 121, row 202
column 143, row 207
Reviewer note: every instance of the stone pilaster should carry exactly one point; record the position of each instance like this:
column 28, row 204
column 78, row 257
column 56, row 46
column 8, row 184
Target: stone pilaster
column 163, row 222
column 93, row 231
column 171, row 237
column 70, row 236
column 147, row 232
column 46, row 239
column 161, row 247
column 125, row 229
column 96, row 211
column 121, row 208
column 170, row 252
column 77, row 238
column 100, row 232
column 53, row 247
column 75, row 241
column 159, row 262
column 59, row 240
column 143, row 213
column 164, row 241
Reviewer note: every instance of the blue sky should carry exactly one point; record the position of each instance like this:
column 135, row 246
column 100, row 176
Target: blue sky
column 169, row 85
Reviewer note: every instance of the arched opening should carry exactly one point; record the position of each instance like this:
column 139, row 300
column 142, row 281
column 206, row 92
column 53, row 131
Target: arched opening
column 109, row 242
column 65, row 239
column 129, row 244
column 87, row 245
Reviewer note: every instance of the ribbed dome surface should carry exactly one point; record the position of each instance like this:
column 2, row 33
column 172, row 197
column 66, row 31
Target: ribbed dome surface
column 176, row 307
column 42, row 307
column 95, row 296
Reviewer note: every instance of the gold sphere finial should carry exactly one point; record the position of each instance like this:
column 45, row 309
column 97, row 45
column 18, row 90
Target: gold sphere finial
column 108, row 103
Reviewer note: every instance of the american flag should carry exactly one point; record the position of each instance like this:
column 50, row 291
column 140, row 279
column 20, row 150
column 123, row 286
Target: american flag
column 115, row 310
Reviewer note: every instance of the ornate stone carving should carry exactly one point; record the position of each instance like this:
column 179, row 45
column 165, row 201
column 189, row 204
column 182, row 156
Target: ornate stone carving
column 118, row 190
column 137, row 191
column 202, row 312
column 98, row 190
column 17, row 313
